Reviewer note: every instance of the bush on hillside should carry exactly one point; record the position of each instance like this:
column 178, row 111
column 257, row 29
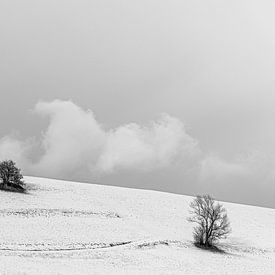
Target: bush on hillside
column 211, row 219
column 11, row 177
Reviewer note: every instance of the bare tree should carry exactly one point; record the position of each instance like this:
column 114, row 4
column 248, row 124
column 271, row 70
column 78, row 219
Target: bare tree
column 10, row 176
column 211, row 219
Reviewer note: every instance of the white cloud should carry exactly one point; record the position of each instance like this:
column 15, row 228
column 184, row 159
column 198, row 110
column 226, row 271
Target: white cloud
column 158, row 145
column 72, row 142
column 253, row 167
column 215, row 168
column 75, row 144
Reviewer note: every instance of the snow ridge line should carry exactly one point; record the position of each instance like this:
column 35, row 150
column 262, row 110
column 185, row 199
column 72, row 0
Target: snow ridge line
column 92, row 247
column 41, row 247
column 136, row 244
column 43, row 212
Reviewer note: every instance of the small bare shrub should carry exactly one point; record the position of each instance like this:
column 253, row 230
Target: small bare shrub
column 211, row 219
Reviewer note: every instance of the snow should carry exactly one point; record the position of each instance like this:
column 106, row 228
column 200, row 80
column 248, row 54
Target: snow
column 64, row 227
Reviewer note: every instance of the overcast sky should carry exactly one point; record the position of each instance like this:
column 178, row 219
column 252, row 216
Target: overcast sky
column 168, row 95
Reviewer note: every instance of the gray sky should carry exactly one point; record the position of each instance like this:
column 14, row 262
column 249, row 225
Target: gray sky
column 208, row 64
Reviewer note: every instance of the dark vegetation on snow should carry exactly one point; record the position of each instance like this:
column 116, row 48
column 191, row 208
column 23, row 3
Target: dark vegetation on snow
column 11, row 178
column 211, row 221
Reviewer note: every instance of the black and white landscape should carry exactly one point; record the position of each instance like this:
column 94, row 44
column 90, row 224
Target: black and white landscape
column 137, row 137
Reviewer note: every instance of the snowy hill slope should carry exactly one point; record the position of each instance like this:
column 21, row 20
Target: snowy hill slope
column 76, row 228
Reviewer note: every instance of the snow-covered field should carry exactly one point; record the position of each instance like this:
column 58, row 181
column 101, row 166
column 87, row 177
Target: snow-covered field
column 75, row 228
